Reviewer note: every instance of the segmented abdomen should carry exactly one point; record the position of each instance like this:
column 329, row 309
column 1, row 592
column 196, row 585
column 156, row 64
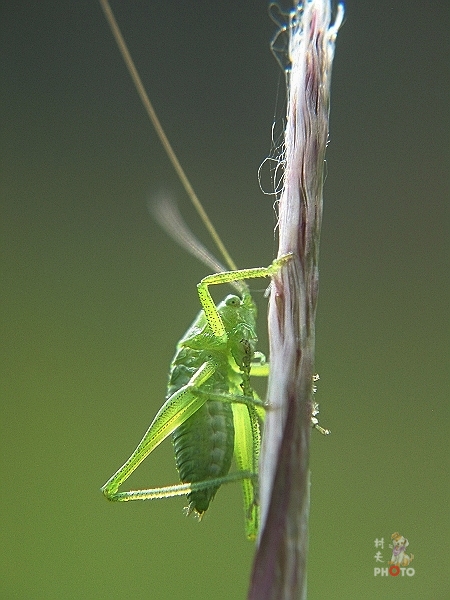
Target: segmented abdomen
column 204, row 446
column 204, row 443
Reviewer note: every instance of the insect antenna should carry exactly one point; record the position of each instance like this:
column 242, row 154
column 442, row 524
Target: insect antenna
column 163, row 138
column 165, row 210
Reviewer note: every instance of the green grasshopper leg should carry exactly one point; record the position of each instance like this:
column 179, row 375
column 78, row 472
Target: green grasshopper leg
column 186, row 401
column 177, row 408
column 248, row 412
column 207, row 302
column 183, row 489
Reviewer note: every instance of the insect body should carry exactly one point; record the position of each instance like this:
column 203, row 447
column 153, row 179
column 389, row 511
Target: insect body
column 204, row 443
column 210, row 408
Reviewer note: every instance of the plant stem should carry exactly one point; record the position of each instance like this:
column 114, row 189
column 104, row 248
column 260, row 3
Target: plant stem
column 279, row 570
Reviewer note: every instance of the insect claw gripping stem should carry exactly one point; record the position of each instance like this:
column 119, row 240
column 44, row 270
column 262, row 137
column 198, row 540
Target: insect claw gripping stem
column 207, row 302
column 315, row 420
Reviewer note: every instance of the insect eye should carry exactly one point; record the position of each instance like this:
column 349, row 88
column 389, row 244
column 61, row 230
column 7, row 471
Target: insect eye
column 233, row 301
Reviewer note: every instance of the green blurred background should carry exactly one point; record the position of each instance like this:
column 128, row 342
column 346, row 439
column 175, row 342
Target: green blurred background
column 95, row 296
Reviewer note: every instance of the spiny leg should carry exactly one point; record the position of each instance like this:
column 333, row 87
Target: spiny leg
column 315, row 420
column 233, row 398
column 261, row 369
column 175, row 411
column 247, row 421
column 246, row 453
column 207, row 302
column 181, row 489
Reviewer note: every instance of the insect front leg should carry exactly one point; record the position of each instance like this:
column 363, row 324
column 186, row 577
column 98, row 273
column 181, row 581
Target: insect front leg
column 261, row 369
column 315, row 420
column 207, row 302
column 176, row 410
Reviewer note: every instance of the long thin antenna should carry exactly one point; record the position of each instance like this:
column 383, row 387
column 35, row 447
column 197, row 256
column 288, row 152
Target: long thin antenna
column 164, row 209
column 161, row 134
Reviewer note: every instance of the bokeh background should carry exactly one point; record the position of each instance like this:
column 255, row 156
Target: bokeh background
column 95, row 295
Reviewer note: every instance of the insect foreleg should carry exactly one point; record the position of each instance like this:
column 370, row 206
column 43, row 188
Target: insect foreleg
column 232, row 398
column 207, row 302
column 315, row 420
column 176, row 410
column 258, row 369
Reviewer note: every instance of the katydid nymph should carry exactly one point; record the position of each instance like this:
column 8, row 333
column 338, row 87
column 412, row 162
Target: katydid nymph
column 210, row 409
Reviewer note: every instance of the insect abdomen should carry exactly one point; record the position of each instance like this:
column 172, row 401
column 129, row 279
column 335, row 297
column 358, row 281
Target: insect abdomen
column 204, row 446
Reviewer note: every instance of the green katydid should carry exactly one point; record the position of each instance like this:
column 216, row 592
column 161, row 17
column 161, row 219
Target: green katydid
column 210, row 410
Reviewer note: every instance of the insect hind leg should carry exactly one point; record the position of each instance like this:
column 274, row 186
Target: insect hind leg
column 181, row 489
